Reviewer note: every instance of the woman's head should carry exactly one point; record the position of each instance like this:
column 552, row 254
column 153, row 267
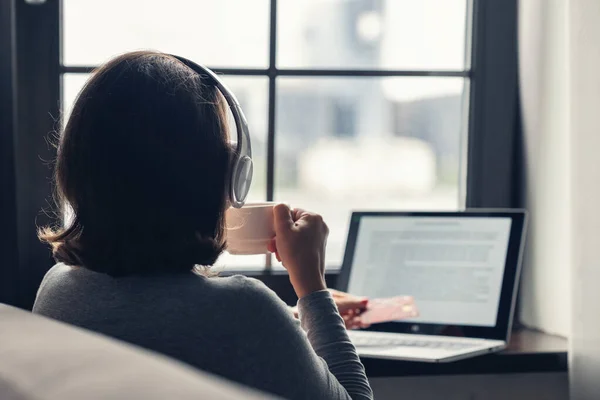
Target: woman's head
column 143, row 164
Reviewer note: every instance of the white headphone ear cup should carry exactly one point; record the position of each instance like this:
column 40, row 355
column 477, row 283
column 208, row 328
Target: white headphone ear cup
column 241, row 180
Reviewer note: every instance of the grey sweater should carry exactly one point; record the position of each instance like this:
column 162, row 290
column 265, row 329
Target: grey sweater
column 235, row 327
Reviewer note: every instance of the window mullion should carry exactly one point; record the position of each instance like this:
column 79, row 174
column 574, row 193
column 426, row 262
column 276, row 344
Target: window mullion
column 272, row 100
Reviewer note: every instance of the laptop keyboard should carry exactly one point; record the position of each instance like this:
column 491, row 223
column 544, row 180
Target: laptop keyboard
column 401, row 342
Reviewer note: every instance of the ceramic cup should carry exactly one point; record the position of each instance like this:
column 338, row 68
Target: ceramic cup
column 250, row 228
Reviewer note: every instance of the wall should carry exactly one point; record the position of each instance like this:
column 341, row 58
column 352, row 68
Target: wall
column 543, row 61
column 584, row 42
column 560, row 76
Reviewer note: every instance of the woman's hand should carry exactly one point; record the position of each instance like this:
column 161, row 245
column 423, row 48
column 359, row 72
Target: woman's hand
column 349, row 306
column 299, row 243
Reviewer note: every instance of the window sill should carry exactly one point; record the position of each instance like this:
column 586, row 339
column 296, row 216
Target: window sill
column 528, row 352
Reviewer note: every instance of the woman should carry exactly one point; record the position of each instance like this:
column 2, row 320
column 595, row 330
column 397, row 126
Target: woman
column 143, row 164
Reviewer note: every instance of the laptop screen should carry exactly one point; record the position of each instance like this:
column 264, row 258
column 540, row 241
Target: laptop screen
column 453, row 264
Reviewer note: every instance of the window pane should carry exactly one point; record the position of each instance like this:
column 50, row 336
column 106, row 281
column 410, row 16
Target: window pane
column 71, row 85
column 252, row 93
column 370, row 143
column 388, row 34
column 217, row 33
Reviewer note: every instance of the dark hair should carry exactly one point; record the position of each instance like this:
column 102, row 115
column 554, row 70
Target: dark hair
column 142, row 164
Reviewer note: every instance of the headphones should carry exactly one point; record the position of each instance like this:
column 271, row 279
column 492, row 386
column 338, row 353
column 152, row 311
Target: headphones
column 241, row 167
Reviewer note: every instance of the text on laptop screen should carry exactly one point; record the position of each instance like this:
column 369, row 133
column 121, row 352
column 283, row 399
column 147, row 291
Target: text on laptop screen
column 453, row 266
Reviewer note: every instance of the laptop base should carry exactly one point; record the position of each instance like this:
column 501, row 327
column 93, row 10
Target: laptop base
column 420, row 348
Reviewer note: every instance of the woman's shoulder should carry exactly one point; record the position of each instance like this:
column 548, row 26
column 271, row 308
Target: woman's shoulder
column 60, row 269
column 250, row 292
column 66, row 276
column 58, row 273
column 243, row 286
column 59, row 281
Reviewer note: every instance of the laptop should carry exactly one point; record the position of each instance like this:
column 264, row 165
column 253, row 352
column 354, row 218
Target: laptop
column 462, row 268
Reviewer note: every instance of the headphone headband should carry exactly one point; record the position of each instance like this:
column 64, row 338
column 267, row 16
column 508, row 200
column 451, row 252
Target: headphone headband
column 241, row 169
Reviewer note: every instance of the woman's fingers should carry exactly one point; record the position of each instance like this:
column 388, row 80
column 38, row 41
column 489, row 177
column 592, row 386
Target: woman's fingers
column 345, row 301
column 353, row 322
column 351, row 303
column 272, row 248
column 272, row 245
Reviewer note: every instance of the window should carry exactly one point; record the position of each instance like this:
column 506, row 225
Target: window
column 352, row 104
column 440, row 76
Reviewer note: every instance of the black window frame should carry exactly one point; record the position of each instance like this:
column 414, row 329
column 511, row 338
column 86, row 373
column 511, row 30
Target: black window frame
column 31, row 68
